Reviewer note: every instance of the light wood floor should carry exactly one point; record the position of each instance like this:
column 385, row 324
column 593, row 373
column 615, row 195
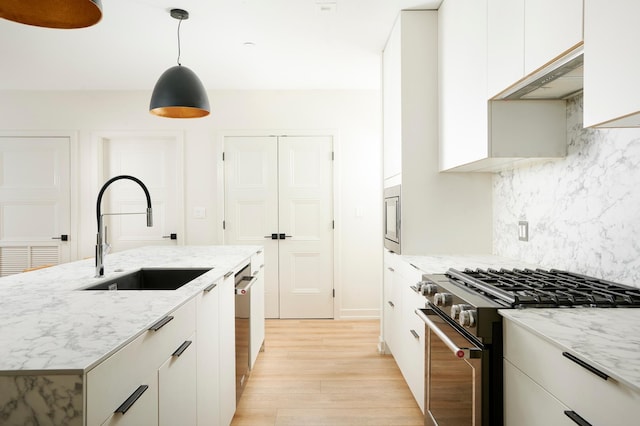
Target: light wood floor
column 325, row 372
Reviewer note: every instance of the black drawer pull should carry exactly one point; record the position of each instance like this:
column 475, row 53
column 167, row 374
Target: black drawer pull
column 228, row 274
column 158, row 325
column 391, row 304
column 211, row 287
column 132, row 399
column 416, row 335
column 576, row 418
column 183, row 347
column 583, row 364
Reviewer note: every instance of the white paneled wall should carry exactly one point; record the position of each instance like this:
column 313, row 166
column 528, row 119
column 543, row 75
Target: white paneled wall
column 353, row 117
column 583, row 211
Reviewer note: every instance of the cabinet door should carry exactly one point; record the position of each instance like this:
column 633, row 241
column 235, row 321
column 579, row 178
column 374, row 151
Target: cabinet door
column 611, row 33
column 505, row 44
column 227, row 342
column 551, row 28
column 257, row 310
column 528, row 404
column 177, row 386
column 462, row 59
column 390, row 305
column 140, row 411
column 413, row 335
column 391, row 105
column 208, row 359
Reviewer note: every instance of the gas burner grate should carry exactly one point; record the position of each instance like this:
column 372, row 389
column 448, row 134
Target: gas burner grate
column 546, row 288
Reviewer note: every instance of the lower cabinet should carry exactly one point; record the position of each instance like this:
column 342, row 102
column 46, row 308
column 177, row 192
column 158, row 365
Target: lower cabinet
column 227, row 342
column 208, row 359
column 256, row 316
column 141, row 408
column 546, row 385
column 403, row 331
column 177, row 386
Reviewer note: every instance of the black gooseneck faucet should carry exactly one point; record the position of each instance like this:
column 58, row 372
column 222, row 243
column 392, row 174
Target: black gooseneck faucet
column 100, row 244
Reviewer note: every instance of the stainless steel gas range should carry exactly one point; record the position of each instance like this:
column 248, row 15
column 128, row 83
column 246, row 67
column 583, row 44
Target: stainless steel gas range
column 463, row 363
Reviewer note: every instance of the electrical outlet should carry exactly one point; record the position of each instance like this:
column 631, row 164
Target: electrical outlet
column 523, row 230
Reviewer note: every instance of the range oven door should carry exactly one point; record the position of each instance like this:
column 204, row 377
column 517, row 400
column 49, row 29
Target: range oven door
column 454, row 371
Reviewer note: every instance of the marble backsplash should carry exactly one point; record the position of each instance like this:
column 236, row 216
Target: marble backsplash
column 583, row 210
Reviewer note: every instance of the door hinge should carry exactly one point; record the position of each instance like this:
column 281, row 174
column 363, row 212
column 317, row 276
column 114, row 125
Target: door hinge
column 223, row 156
column 224, row 224
column 334, row 293
column 333, row 224
column 333, row 156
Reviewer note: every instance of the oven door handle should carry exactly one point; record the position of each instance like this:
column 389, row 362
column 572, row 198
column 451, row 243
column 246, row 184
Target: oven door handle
column 241, row 291
column 462, row 353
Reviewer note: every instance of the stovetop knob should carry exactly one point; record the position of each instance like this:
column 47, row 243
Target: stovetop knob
column 442, row 299
column 428, row 289
column 456, row 310
column 468, row 318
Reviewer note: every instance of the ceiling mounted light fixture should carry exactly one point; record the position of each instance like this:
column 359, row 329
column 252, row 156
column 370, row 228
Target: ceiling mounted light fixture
column 64, row 14
column 179, row 93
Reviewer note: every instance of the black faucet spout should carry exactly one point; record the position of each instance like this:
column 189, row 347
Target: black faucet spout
column 100, row 243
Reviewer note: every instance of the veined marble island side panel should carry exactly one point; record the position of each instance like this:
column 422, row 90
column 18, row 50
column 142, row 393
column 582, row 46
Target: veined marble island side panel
column 44, row 400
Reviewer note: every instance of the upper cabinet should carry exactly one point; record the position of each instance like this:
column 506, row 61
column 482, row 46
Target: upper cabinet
column 525, row 35
column 477, row 134
column 611, row 65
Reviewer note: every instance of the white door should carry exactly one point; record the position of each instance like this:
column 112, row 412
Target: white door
column 157, row 161
column 282, row 187
column 34, row 202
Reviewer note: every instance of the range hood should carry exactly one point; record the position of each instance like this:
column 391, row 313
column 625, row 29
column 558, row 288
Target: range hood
column 559, row 79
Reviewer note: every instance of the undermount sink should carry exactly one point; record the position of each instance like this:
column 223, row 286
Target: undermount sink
column 151, row 279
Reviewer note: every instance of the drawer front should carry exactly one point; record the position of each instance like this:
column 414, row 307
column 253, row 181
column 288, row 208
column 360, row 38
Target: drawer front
column 144, row 410
column 527, row 404
column 112, row 381
column 598, row 401
column 257, row 262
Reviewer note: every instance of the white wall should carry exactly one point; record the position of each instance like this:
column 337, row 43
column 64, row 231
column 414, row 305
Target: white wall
column 583, row 210
column 353, row 116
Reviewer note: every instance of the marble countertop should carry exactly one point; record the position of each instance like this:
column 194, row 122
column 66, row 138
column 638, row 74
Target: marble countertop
column 607, row 339
column 48, row 326
column 438, row 264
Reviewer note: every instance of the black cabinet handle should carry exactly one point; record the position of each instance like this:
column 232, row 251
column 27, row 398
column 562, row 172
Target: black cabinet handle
column 132, row 399
column 576, row 418
column 158, row 325
column 183, row 347
column 416, row 335
column 211, row 287
column 583, row 364
column 391, row 304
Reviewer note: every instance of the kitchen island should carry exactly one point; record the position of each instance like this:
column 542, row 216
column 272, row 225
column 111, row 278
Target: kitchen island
column 53, row 333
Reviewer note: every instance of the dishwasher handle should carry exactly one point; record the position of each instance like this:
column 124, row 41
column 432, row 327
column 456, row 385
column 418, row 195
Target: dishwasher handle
column 241, row 291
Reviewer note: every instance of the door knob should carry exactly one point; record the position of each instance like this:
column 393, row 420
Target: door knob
column 272, row 236
column 283, row 236
column 63, row 237
column 171, row 236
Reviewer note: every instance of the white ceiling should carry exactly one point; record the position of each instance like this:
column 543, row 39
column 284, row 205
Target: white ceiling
column 297, row 45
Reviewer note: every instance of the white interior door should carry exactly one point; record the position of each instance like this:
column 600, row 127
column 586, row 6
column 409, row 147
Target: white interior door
column 283, row 186
column 34, row 202
column 157, row 161
column 251, row 203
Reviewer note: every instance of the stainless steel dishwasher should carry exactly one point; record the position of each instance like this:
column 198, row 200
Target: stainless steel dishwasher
column 243, row 283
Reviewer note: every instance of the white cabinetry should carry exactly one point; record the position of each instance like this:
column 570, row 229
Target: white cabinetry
column 611, row 67
column 434, row 206
column 477, row 134
column 256, row 316
column 130, row 376
column 538, row 372
column 227, row 342
column 525, row 35
column 177, row 386
column 208, row 385
column 403, row 331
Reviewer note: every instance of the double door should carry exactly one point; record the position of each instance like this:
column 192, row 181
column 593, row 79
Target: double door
column 279, row 194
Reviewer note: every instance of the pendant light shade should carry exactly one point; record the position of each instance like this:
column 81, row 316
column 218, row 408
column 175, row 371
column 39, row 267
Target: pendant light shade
column 179, row 93
column 65, row 14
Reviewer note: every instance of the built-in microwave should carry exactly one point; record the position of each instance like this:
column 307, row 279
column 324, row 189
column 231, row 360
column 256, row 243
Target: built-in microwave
column 392, row 219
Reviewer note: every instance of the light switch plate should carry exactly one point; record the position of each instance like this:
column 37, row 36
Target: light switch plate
column 523, row 230
column 199, row 212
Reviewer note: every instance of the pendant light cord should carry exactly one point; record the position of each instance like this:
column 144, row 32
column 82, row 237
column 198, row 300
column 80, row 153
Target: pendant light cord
column 179, row 22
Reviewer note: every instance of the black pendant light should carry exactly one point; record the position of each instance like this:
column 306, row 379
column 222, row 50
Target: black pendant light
column 179, row 93
column 64, row 14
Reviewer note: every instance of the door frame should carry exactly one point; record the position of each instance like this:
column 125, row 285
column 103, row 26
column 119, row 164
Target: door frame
column 74, row 206
column 98, row 143
column 337, row 235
